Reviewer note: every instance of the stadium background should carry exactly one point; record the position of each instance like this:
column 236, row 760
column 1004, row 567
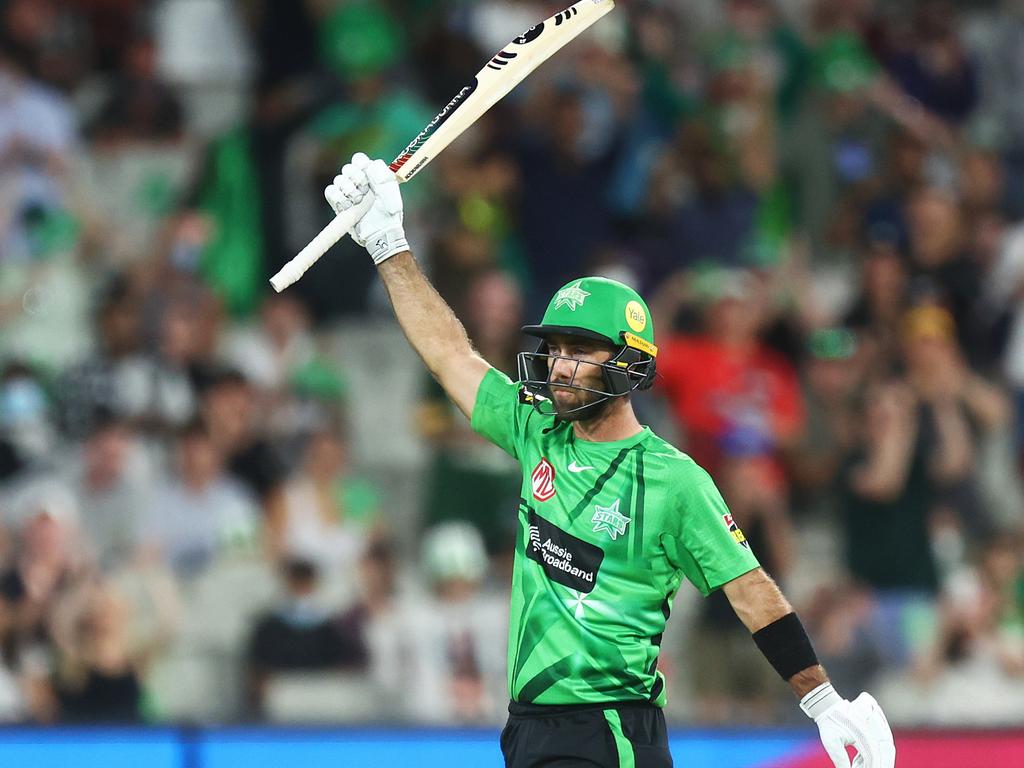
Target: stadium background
column 219, row 506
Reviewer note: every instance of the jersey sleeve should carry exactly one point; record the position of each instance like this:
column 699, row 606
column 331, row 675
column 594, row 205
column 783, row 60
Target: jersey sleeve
column 499, row 414
column 708, row 546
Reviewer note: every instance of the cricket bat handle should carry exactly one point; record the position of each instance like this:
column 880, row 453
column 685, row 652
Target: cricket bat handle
column 319, row 245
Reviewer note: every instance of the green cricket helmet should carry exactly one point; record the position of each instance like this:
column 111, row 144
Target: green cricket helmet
column 600, row 309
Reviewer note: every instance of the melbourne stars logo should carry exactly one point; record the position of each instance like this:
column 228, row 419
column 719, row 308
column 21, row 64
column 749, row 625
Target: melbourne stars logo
column 609, row 520
column 571, row 296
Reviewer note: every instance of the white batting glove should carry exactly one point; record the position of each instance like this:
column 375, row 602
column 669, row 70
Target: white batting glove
column 859, row 723
column 380, row 230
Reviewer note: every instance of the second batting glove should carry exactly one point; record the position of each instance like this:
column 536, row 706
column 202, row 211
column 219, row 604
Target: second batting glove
column 859, row 723
column 380, row 229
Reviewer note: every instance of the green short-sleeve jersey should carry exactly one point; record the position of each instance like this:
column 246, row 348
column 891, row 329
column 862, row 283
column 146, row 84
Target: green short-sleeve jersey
column 607, row 532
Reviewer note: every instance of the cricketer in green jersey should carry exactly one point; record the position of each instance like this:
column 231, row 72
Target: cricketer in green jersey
column 612, row 519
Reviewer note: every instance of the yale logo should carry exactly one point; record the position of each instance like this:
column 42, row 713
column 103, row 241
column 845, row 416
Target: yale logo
column 636, row 317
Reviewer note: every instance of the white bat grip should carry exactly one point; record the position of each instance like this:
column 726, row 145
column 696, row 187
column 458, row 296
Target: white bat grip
column 319, row 245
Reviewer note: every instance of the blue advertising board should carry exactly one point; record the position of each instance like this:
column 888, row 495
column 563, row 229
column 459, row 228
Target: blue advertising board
column 422, row 748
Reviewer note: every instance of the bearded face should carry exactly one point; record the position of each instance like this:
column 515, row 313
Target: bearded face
column 574, row 366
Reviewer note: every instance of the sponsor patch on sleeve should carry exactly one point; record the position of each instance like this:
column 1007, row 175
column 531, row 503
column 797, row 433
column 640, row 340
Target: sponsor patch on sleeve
column 526, row 397
column 734, row 529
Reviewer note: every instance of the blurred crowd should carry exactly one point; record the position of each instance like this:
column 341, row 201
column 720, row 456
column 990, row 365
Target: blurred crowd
column 220, row 504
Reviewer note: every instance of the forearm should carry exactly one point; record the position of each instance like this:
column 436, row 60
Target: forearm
column 765, row 611
column 954, row 453
column 757, row 599
column 428, row 322
column 434, row 331
column 986, row 403
column 807, row 680
column 884, row 473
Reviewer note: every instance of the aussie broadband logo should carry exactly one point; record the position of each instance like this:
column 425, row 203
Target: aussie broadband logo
column 566, row 560
column 543, row 480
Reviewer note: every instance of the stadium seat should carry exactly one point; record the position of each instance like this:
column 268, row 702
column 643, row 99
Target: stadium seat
column 321, row 698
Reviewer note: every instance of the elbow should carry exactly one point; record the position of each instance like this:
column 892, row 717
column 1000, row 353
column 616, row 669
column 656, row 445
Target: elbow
column 756, row 599
column 441, row 363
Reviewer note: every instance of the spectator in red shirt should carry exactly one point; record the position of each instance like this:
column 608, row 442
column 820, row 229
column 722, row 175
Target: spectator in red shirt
column 724, row 385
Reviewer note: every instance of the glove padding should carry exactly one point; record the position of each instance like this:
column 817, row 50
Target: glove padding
column 380, row 229
column 859, row 723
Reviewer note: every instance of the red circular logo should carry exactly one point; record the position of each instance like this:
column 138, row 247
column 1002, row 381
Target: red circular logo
column 543, row 478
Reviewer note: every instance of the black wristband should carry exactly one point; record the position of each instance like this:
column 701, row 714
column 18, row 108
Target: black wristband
column 786, row 646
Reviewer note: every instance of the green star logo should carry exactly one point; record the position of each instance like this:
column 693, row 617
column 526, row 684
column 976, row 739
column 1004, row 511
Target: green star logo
column 609, row 520
column 571, row 296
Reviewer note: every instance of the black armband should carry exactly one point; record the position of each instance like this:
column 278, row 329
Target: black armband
column 786, row 646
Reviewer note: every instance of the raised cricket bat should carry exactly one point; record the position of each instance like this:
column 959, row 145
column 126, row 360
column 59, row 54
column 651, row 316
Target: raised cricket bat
column 501, row 74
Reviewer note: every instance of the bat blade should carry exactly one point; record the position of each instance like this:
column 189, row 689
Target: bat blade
column 505, row 70
column 509, row 67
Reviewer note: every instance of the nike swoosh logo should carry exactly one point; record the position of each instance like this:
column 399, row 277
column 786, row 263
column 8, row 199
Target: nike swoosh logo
column 574, row 467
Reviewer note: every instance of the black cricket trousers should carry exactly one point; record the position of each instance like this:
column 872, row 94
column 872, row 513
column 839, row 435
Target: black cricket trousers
column 621, row 735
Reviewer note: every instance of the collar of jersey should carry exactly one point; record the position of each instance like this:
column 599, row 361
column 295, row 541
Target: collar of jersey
column 610, row 445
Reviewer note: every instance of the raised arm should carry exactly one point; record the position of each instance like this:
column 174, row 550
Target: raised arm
column 433, row 330
column 780, row 636
column 427, row 321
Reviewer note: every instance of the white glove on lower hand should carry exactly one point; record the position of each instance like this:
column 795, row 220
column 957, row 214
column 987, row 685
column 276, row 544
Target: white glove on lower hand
column 859, row 723
column 380, row 229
